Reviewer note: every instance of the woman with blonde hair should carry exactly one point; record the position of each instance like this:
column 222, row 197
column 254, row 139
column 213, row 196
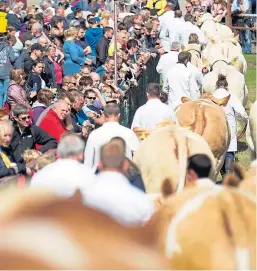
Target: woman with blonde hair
column 105, row 17
column 16, row 93
column 74, row 57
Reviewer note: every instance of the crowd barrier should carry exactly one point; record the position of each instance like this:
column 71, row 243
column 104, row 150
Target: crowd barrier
column 136, row 96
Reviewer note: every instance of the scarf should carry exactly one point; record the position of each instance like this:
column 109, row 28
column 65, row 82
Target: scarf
column 5, row 159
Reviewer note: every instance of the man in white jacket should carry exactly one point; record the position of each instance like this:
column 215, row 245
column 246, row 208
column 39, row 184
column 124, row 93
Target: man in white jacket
column 111, row 128
column 179, row 82
column 154, row 111
column 168, row 60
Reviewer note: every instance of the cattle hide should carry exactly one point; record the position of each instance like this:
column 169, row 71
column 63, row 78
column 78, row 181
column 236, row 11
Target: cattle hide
column 164, row 153
column 208, row 229
column 209, row 121
column 251, row 130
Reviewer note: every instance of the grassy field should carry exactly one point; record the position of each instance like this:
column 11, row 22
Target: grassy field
column 243, row 155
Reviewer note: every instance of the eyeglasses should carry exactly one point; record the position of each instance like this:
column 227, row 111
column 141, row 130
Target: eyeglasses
column 25, row 118
column 91, row 98
column 138, row 29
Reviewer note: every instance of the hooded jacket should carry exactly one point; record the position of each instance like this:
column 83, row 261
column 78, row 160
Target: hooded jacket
column 37, row 109
column 7, row 57
column 92, row 36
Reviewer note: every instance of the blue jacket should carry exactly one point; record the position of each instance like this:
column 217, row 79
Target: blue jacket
column 7, row 57
column 4, row 171
column 93, row 35
column 14, row 21
column 100, row 70
column 74, row 58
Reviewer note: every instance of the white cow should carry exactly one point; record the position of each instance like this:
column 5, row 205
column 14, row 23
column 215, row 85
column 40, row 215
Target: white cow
column 251, row 130
column 235, row 79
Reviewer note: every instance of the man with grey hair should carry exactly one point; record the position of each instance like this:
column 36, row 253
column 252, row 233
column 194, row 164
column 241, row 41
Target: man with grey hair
column 168, row 60
column 37, row 32
column 68, row 174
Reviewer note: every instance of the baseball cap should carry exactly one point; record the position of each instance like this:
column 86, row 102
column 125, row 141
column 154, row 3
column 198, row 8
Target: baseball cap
column 37, row 46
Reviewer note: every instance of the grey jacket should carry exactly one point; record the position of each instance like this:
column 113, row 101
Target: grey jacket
column 7, row 57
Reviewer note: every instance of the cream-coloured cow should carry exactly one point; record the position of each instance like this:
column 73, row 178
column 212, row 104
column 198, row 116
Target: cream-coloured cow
column 208, row 119
column 207, row 229
column 235, row 79
column 163, row 155
column 251, row 130
column 227, row 50
column 195, row 51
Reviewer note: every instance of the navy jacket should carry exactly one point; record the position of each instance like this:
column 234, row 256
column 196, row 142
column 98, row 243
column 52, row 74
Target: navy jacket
column 4, row 171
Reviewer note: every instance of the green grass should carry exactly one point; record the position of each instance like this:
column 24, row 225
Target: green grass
column 243, row 154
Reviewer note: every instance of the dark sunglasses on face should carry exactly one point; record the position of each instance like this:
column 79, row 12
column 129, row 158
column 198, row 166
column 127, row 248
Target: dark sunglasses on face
column 25, row 118
column 91, row 98
column 138, row 29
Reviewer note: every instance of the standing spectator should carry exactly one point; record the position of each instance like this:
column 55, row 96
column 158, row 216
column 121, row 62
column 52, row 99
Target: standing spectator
column 35, row 81
column 80, row 40
column 6, row 167
column 3, row 14
column 154, row 111
column 35, row 54
column 49, row 74
column 13, row 17
column 168, row 60
column 105, row 133
column 67, row 174
column 108, row 66
column 26, row 136
column 111, row 192
column 59, row 13
column 37, row 32
column 188, row 7
column 218, row 10
column 57, row 27
column 74, row 55
column 44, row 99
column 52, row 122
column 78, row 13
column 7, row 57
column 157, row 7
column 16, row 94
column 103, row 46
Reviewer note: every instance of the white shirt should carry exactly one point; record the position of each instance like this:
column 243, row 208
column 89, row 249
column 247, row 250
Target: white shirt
column 64, row 177
column 189, row 28
column 178, row 84
column 103, row 135
column 112, row 194
column 150, row 114
column 197, row 81
column 166, row 62
column 175, row 29
column 205, row 182
column 165, row 20
column 233, row 109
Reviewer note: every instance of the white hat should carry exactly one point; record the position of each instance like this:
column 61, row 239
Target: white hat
column 220, row 93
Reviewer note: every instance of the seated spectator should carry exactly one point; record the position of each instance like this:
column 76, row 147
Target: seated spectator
column 6, row 167
column 111, row 192
column 67, row 174
column 26, row 135
column 52, row 123
column 35, row 81
column 199, row 167
column 86, row 70
column 218, row 10
column 16, row 94
column 44, row 99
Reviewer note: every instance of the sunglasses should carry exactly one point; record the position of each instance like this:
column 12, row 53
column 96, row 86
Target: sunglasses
column 91, row 98
column 25, row 118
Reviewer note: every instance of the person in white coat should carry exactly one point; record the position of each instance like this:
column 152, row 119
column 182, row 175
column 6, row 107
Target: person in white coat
column 197, row 79
column 111, row 128
column 112, row 193
column 154, row 111
column 68, row 174
column 168, row 60
column 233, row 109
column 189, row 28
column 165, row 20
column 179, row 82
column 174, row 28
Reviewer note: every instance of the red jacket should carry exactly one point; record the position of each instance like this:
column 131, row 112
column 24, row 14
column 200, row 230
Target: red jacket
column 52, row 125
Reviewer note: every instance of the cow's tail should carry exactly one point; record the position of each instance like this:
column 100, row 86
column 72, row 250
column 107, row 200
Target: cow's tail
column 182, row 155
column 199, row 120
column 235, row 227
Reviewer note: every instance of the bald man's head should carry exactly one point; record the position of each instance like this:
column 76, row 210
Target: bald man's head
column 61, row 108
column 178, row 14
column 6, row 131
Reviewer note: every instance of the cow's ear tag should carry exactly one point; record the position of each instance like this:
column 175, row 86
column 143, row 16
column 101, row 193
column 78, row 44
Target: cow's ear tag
column 189, row 128
column 233, row 62
column 142, row 137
